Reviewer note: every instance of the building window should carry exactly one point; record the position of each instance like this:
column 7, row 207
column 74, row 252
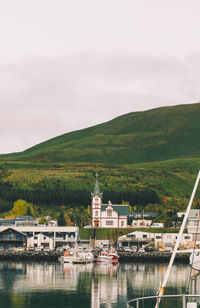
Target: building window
column 187, row 237
column 96, row 213
column 109, row 213
column 122, row 223
column 168, row 245
column 144, row 236
column 131, row 235
column 158, row 237
column 109, row 223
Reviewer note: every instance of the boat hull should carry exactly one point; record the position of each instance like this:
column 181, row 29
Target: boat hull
column 195, row 261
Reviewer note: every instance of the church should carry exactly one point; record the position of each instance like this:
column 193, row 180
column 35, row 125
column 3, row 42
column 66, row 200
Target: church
column 107, row 215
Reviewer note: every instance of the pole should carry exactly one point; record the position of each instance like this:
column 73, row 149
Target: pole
column 162, row 287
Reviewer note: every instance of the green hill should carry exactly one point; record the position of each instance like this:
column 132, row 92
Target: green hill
column 155, row 135
column 141, row 157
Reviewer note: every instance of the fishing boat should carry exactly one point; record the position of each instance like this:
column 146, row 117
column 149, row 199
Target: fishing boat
column 114, row 255
column 104, row 257
column 69, row 256
column 89, row 257
column 188, row 300
column 77, row 257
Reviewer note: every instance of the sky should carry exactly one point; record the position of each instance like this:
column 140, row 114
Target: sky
column 67, row 65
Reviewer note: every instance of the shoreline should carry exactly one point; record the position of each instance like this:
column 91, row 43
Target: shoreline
column 157, row 256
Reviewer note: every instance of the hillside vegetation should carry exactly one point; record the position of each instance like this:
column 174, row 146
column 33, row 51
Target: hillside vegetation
column 154, row 135
column 149, row 159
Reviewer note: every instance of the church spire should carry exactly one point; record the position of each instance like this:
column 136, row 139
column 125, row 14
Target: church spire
column 96, row 189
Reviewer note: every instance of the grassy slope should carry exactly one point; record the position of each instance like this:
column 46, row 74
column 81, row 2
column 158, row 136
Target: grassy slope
column 157, row 148
column 103, row 234
column 154, row 135
column 170, row 178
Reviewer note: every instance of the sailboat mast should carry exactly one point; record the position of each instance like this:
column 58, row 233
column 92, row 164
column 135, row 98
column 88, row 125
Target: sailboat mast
column 162, row 287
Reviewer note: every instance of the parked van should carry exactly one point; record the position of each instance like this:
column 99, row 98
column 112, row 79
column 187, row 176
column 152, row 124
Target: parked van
column 157, row 225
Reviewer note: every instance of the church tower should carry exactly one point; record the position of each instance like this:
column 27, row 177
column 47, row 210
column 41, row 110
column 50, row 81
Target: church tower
column 96, row 205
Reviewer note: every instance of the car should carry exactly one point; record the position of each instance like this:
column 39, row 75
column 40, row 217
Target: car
column 120, row 249
column 89, row 249
column 127, row 249
column 47, row 249
column 80, row 249
column 1, row 249
column 134, row 249
column 149, row 248
column 19, row 249
column 11, row 249
column 141, row 250
column 38, row 249
column 59, row 249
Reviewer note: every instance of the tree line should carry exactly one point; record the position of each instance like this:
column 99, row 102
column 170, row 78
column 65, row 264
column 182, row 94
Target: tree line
column 54, row 193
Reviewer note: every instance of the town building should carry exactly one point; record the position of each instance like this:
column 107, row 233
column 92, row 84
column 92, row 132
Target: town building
column 193, row 225
column 40, row 236
column 17, row 221
column 143, row 215
column 107, row 215
column 141, row 223
column 160, row 241
column 10, row 237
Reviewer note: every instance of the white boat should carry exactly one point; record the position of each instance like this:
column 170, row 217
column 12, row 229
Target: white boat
column 104, row 257
column 195, row 261
column 77, row 256
column 89, row 257
column 69, row 256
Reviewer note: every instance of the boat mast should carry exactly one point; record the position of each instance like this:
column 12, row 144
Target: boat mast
column 162, row 287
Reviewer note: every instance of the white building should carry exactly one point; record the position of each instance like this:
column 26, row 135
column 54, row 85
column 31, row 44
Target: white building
column 47, row 236
column 141, row 223
column 193, row 225
column 107, row 215
column 165, row 240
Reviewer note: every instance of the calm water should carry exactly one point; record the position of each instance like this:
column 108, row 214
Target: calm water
column 42, row 285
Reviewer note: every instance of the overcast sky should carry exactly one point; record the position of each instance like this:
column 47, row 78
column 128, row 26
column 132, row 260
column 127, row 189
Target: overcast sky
column 70, row 64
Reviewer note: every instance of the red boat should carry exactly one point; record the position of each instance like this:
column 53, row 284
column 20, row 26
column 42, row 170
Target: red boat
column 114, row 255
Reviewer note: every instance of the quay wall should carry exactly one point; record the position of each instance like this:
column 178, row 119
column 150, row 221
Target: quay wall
column 158, row 256
column 29, row 256
column 163, row 257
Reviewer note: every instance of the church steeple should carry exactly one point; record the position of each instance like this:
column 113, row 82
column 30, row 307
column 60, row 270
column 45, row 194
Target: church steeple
column 96, row 189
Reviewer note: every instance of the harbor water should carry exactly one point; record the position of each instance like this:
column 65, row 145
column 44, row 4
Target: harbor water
column 57, row 285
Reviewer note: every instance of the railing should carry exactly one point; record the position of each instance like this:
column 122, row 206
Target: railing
column 135, row 303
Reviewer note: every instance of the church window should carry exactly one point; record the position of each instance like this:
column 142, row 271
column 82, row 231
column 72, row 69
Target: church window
column 109, row 213
column 109, row 222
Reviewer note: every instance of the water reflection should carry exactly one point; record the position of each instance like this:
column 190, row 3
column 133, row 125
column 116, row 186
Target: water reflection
column 89, row 285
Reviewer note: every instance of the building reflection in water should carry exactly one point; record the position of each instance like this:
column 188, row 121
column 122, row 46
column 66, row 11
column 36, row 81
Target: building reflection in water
column 107, row 283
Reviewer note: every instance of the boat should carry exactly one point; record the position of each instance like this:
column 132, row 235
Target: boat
column 77, row 257
column 114, row 255
column 89, row 257
column 69, row 256
column 195, row 260
column 104, row 257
